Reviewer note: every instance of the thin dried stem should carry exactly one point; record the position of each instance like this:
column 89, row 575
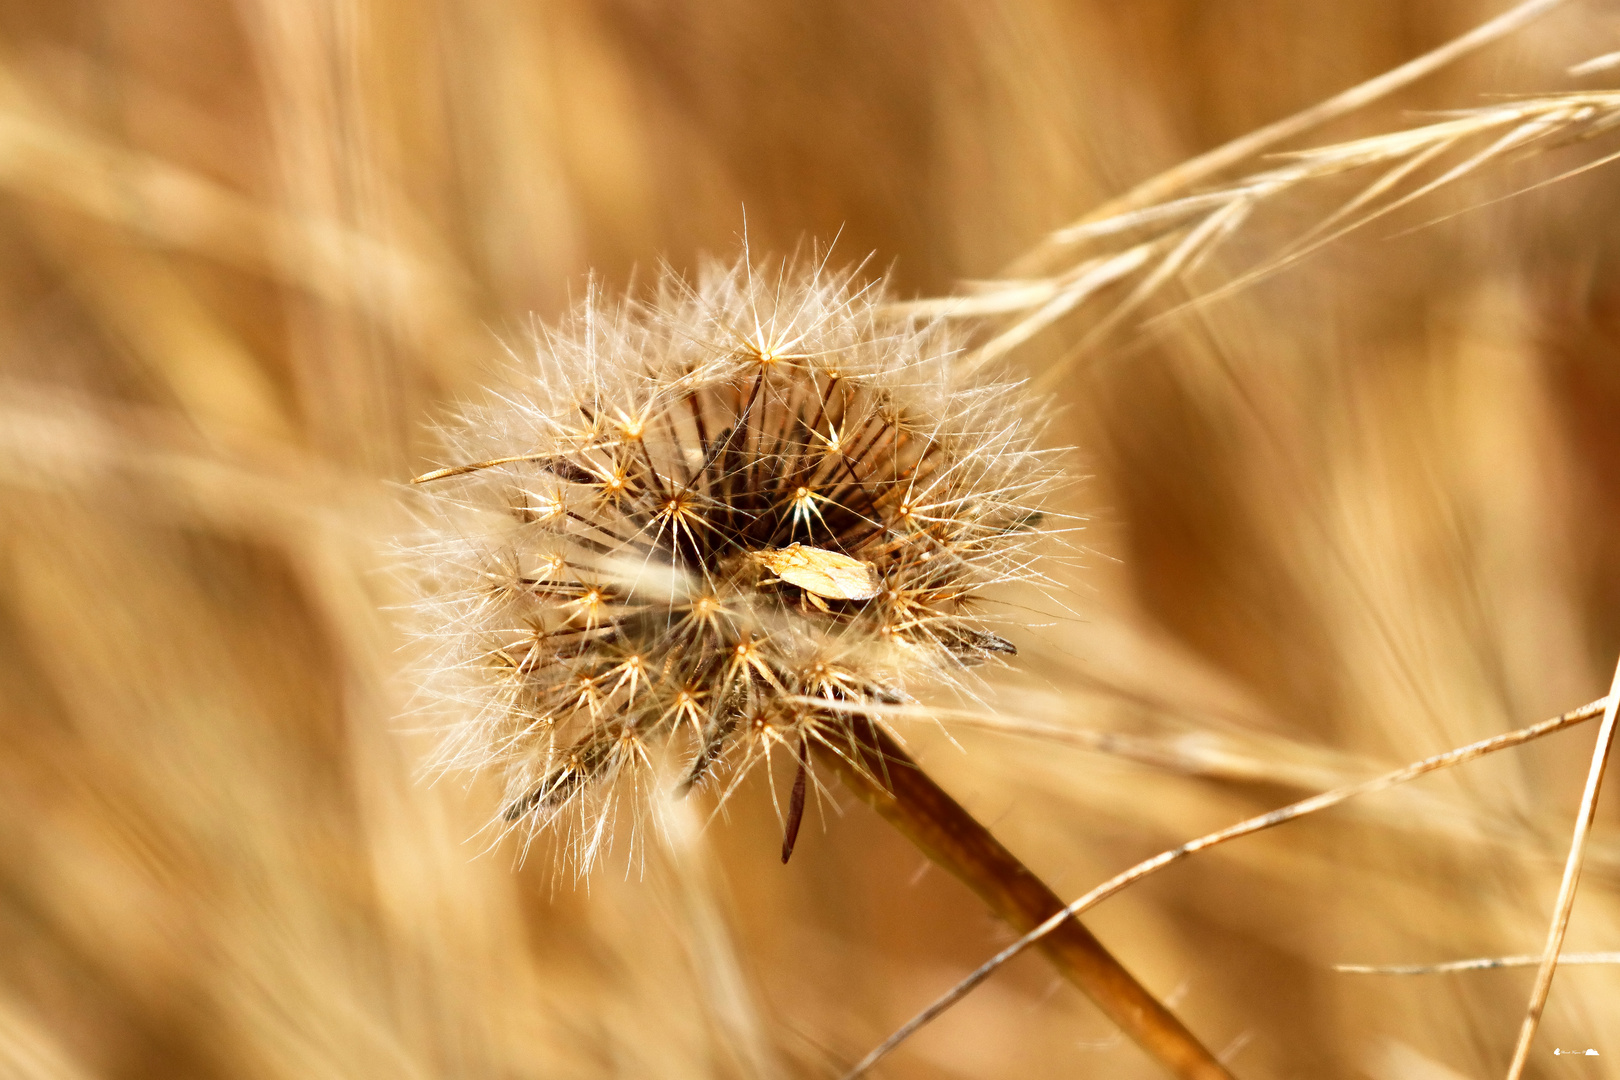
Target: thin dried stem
column 1089, row 277
column 1478, row 963
column 1595, row 65
column 1566, row 888
column 1183, row 177
column 884, row 775
column 1244, row 828
column 1185, row 232
column 1165, row 227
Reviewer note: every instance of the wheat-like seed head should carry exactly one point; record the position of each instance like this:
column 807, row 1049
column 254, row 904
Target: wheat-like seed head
column 688, row 516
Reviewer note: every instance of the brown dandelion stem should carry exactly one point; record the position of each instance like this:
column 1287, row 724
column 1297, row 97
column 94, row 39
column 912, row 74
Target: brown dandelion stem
column 1269, row 820
column 881, row 772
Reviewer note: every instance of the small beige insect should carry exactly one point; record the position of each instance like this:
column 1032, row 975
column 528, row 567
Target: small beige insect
column 822, row 574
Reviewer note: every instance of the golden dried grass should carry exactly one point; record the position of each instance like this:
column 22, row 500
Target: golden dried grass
column 1351, row 516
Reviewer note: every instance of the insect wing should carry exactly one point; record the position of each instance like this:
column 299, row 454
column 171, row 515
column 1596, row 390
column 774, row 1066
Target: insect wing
column 828, row 574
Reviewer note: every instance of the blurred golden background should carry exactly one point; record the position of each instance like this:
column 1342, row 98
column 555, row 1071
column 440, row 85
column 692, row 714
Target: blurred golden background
column 1360, row 513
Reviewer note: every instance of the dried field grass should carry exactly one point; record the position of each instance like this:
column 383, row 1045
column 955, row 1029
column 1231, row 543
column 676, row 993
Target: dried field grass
column 1355, row 514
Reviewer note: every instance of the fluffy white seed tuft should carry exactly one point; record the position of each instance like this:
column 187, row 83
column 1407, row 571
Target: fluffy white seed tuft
column 688, row 516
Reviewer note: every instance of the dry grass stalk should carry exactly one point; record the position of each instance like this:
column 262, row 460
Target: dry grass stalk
column 1169, row 185
column 1565, row 903
column 1479, row 963
column 1160, row 235
column 1270, row 820
column 215, row 856
column 1183, row 233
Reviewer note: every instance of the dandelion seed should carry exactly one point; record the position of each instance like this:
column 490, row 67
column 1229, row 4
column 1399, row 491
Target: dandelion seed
column 687, row 514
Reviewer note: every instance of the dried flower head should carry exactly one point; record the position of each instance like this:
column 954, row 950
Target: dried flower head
column 688, row 517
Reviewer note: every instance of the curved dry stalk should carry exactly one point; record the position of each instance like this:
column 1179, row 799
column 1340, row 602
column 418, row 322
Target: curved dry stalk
column 885, row 777
column 1478, row 963
column 1566, row 888
column 1087, row 279
column 1244, row 828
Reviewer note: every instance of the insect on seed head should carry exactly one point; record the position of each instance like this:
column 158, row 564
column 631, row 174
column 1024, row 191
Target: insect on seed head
column 828, row 574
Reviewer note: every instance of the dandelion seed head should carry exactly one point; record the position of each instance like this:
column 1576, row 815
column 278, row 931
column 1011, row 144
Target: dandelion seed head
column 684, row 515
